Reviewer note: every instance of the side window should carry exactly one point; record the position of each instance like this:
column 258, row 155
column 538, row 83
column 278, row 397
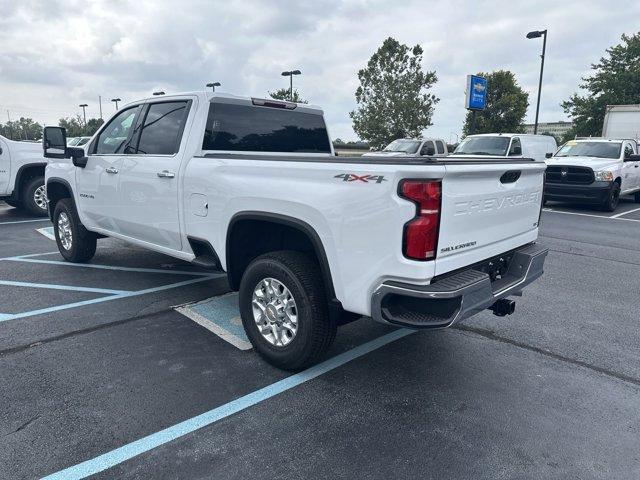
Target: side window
column 628, row 150
column 440, row 146
column 113, row 138
column 426, row 147
column 162, row 129
column 516, row 147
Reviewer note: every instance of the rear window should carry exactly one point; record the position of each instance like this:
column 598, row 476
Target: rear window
column 264, row 129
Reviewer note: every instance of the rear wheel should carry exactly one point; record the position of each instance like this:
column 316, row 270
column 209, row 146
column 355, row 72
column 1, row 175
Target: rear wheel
column 33, row 197
column 284, row 309
column 13, row 203
column 611, row 203
column 75, row 243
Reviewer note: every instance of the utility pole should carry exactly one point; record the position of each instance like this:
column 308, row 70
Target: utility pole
column 100, row 103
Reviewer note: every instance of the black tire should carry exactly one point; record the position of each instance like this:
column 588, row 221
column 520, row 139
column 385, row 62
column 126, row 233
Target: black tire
column 13, row 202
column 611, row 203
column 32, row 203
column 300, row 274
column 83, row 242
column 636, row 197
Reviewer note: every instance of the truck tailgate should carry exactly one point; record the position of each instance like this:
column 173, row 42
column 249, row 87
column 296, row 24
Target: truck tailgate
column 487, row 209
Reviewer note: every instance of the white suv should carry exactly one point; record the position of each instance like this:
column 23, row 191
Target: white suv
column 594, row 171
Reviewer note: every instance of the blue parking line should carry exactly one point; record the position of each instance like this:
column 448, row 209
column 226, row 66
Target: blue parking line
column 26, row 221
column 145, row 444
column 83, row 303
column 24, row 258
column 63, row 287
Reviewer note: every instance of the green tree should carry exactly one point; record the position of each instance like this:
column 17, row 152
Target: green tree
column 73, row 125
column 76, row 128
column 506, row 106
column 283, row 94
column 21, row 129
column 615, row 81
column 93, row 124
column 393, row 97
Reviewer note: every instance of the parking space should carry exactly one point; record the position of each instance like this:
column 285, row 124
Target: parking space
column 101, row 375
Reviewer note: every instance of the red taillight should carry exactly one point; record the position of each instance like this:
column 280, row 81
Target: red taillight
column 421, row 234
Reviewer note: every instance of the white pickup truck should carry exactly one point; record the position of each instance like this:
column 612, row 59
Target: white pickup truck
column 412, row 147
column 310, row 240
column 22, row 175
column 594, row 171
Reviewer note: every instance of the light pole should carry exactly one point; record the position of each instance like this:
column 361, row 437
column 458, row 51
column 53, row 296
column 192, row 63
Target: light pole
column 213, row 85
column 290, row 74
column 116, row 100
column 84, row 112
column 155, row 94
column 538, row 34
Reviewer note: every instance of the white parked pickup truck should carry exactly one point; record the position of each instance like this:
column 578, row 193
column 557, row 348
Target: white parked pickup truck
column 411, row 147
column 594, row 171
column 22, row 175
column 252, row 187
column 513, row 145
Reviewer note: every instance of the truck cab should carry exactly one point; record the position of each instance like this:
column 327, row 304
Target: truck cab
column 22, row 166
column 594, row 171
column 511, row 145
column 410, row 147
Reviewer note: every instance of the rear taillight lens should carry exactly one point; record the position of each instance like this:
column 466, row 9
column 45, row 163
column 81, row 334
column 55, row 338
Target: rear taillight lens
column 421, row 234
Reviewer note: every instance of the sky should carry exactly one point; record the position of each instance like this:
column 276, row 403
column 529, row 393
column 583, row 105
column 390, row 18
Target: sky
column 55, row 55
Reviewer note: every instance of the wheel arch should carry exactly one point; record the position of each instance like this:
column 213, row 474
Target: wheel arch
column 57, row 189
column 26, row 172
column 236, row 263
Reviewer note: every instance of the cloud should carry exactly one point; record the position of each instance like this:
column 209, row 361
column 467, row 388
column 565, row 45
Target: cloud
column 57, row 54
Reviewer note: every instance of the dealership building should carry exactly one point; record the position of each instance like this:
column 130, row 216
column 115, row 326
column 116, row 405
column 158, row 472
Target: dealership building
column 557, row 129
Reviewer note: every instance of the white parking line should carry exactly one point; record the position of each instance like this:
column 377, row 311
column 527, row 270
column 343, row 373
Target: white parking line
column 590, row 215
column 618, row 215
column 63, row 287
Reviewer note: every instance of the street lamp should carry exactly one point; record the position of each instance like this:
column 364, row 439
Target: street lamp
column 213, row 85
column 538, row 34
column 290, row 74
column 116, row 100
column 155, row 94
column 84, row 112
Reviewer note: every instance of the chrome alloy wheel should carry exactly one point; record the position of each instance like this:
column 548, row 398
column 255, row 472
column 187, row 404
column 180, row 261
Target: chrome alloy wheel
column 64, row 231
column 39, row 197
column 275, row 312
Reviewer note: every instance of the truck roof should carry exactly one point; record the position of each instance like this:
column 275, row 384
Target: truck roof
column 231, row 98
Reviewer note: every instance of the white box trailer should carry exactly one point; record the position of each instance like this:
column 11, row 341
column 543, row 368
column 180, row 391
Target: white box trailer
column 622, row 122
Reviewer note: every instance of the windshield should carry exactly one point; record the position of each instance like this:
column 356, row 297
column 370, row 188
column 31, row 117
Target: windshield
column 483, row 146
column 590, row 149
column 404, row 146
column 73, row 141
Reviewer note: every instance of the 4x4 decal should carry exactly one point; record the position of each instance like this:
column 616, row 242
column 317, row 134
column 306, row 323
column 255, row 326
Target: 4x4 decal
column 352, row 177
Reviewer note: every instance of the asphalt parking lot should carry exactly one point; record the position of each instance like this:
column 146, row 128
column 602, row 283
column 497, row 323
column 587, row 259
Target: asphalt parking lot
column 101, row 376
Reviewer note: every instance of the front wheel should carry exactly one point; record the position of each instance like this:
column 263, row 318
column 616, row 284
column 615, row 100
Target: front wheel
column 611, row 203
column 34, row 198
column 284, row 309
column 75, row 243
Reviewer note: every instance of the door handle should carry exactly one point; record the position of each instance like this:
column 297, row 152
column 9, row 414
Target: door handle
column 166, row 174
column 111, row 170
